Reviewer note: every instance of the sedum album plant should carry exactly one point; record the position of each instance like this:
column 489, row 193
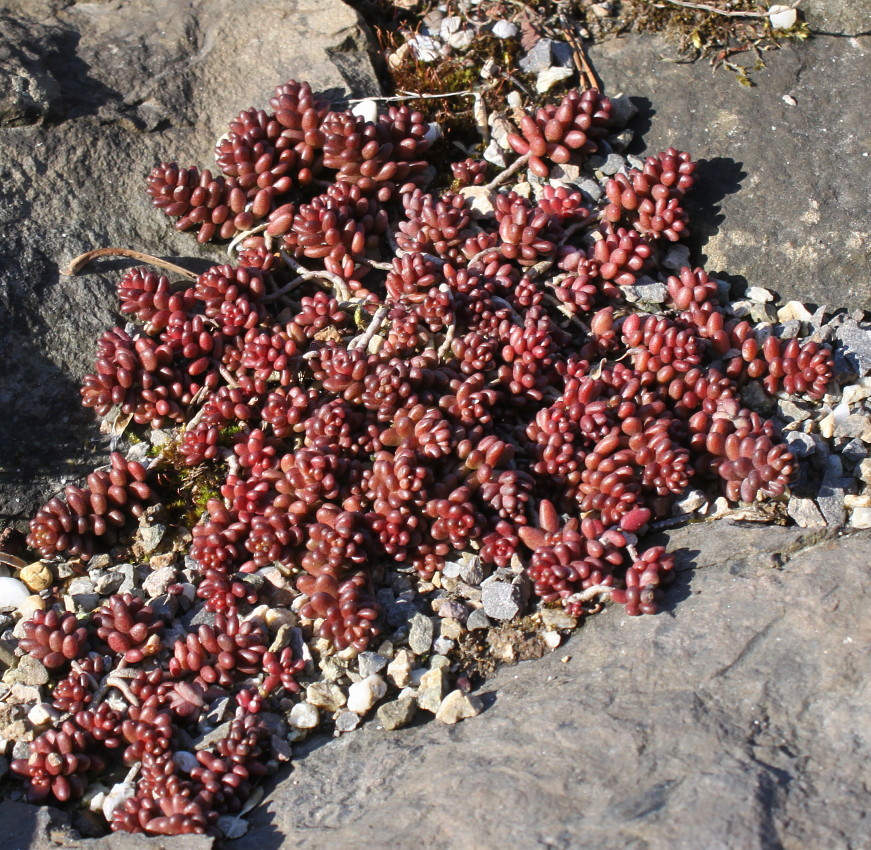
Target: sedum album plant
column 386, row 377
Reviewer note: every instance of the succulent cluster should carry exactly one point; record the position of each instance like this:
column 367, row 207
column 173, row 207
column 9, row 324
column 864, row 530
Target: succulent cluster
column 490, row 388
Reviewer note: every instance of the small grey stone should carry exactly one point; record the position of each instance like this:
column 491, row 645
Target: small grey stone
column 107, row 582
column 591, row 189
column 788, row 330
column 789, row 411
column 20, row 750
column 854, row 452
column 854, row 426
column 623, row 110
column 478, row 620
column 151, row 534
column 443, row 645
column 139, row 452
column 454, row 609
column 856, row 349
column 66, row 569
column 29, row 671
column 800, row 444
column 202, row 618
column 612, row 164
column 232, row 827
column 620, row 141
column 567, row 172
column 347, row 721
column 493, row 154
column 326, row 696
column 370, row 662
column 396, row 714
column 473, row 571
column 651, row 293
column 165, row 606
column 83, row 603
column 421, row 635
column 830, row 498
column 502, row 601
column 158, row 581
column 538, row 58
column 81, row 585
column 129, row 578
column 805, row 513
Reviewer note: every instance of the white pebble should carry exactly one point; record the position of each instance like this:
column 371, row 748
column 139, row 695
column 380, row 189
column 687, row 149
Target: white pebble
column 424, row 48
column 504, row 29
column 759, row 294
column 304, row 716
column 433, row 132
column 549, row 77
column 12, row 593
column 364, row 694
column 449, row 26
column 552, row 639
column 782, row 17
column 461, row 40
column 366, row 109
column 120, row 793
column 42, row 714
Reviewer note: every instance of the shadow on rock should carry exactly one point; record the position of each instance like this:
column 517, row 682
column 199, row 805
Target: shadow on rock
column 715, row 179
column 641, row 125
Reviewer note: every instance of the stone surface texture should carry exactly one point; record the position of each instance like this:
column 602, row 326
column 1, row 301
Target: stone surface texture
column 782, row 195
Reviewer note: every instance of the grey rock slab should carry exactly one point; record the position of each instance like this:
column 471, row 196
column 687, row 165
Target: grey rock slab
column 100, row 94
column 737, row 717
column 781, row 195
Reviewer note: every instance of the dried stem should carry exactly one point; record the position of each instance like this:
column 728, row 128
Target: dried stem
column 502, row 176
column 239, row 237
column 83, row 259
column 340, row 285
column 289, row 286
column 704, row 7
column 410, row 95
column 363, row 340
column 579, row 55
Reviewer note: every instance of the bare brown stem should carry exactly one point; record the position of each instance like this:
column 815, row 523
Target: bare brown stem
column 82, row 260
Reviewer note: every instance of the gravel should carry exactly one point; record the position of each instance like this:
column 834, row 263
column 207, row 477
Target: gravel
column 502, row 601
